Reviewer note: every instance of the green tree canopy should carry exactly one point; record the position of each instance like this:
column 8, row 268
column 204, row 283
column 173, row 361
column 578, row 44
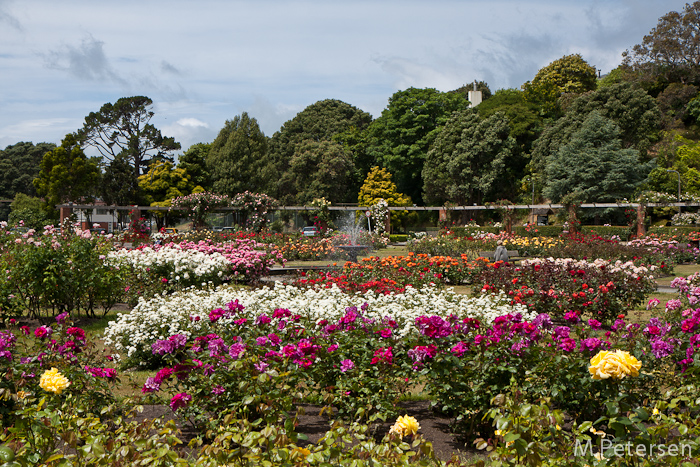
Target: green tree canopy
column 593, row 166
column 236, row 156
column 684, row 158
column 570, row 74
column 633, row 111
column 194, row 161
column 669, row 53
column 125, row 127
column 379, row 185
column 67, row 174
column 467, row 160
column 321, row 121
column 119, row 187
column 19, row 166
column 321, row 169
column 525, row 125
column 400, row 138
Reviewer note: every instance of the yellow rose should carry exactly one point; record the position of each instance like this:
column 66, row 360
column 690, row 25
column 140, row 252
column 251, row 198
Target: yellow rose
column 405, row 426
column 616, row 365
column 53, row 381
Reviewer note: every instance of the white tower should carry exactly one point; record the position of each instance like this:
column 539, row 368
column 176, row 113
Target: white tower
column 474, row 97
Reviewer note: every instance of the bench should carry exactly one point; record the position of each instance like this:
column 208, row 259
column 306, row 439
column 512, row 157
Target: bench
column 490, row 254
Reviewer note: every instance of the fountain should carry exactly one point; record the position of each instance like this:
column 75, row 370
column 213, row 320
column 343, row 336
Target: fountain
column 353, row 229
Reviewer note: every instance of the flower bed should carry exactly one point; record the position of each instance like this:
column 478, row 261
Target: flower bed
column 175, row 266
column 394, row 273
column 305, row 248
column 187, row 312
column 360, row 361
column 601, row 289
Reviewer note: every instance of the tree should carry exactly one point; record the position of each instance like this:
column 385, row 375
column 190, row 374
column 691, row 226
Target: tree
column 322, row 121
column 194, row 161
column 29, row 210
column 570, row 74
column 673, row 104
column 67, row 174
column 634, row 112
column 468, row 159
column 119, row 187
column 236, row 156
column 669, row 53
column 683, row 156
column 322, row 169
column 19, row 165
column 124, row 128
column 593, row 165
column 164, row 182
column 525, row 124
column 400, row 138
column 379, row 186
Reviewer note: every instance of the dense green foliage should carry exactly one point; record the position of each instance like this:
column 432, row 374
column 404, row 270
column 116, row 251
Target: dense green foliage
column 401, row 137
column 67, row 174
column 592, row 166
column 321, row 121
column 19, row 165
column 467, row 161
column 235, row 158
column 570, row 74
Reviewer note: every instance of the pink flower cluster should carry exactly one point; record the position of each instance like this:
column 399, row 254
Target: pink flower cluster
column 107, row 373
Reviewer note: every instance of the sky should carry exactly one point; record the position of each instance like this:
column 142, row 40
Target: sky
column 204, row 62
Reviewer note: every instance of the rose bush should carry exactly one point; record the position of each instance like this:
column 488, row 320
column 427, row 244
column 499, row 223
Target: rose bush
column 602, row 289
column 58, row 270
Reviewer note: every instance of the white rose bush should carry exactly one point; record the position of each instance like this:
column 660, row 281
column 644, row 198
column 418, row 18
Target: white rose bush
column 175, row 266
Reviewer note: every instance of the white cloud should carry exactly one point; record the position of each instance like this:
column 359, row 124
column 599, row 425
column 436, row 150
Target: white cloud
column 192, row 122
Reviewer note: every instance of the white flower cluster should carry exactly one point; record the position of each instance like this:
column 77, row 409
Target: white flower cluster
column 686, row 218
column 182, row 264
column 628, row 268
column 187, row 312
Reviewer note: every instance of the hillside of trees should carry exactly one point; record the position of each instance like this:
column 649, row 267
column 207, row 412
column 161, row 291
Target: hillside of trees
column 567, row 135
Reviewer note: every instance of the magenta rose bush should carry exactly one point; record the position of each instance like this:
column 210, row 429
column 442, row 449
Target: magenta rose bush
column 465, row 363
column 263, row 368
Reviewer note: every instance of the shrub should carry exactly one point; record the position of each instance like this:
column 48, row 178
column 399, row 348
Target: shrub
column 601, row 289
column 58, row 272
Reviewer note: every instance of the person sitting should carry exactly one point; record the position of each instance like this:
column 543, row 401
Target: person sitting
column 501, row 252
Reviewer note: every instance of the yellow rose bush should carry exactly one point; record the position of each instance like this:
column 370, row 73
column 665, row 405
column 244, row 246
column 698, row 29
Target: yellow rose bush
column 53, row 381
column 617, row 364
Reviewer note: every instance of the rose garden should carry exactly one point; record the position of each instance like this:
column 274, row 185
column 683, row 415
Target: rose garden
column 532, row 360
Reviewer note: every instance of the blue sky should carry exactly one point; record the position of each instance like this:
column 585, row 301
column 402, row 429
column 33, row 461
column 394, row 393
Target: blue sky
column 204, row 62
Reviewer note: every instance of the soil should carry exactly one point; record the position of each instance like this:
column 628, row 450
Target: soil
column 433, row 427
